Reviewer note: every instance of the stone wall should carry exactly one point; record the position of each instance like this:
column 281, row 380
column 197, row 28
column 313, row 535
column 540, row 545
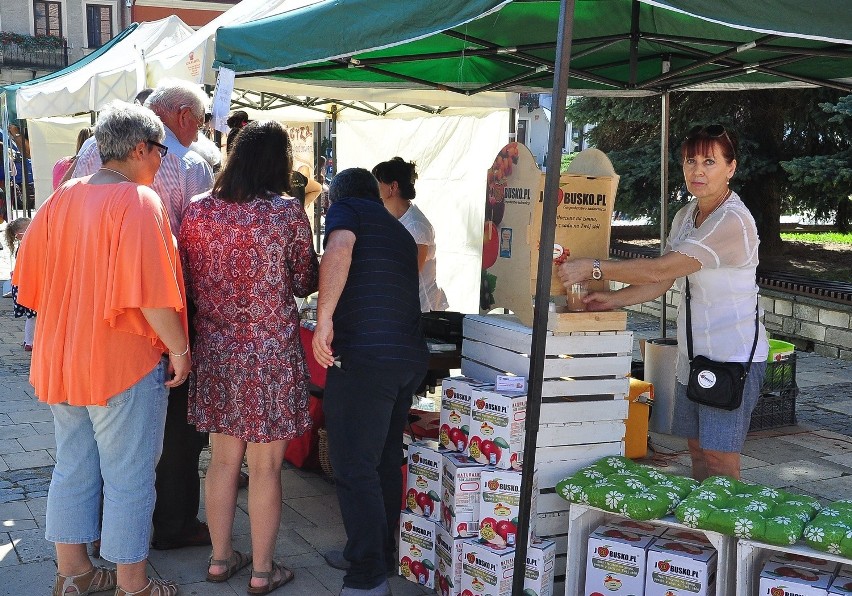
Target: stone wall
column 811, row 324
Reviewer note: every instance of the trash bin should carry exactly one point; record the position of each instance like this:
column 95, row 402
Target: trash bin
column 660, row 357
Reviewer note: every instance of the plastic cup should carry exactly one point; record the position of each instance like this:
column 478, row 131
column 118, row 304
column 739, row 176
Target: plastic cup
column 574, row 298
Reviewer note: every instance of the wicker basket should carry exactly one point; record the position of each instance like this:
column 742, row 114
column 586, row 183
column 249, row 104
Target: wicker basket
column 325, row 462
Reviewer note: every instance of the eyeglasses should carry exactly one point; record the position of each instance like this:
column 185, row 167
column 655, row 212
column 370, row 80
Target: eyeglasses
column 199, row 122
column 160, row 147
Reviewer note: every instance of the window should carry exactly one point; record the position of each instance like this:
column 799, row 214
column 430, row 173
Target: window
column 48, row 18
column 98, row 24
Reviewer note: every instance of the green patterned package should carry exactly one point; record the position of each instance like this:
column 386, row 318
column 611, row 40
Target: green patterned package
column 747, row 510
column 620, row 485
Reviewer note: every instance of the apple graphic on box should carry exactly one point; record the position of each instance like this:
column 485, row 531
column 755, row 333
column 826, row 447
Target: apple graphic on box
column 490, row 245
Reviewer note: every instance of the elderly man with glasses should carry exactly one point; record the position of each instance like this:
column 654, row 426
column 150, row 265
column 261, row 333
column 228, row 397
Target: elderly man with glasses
column 180, row 105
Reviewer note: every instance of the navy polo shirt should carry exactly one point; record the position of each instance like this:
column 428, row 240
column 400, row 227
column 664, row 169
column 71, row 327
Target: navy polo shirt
column 377, row 319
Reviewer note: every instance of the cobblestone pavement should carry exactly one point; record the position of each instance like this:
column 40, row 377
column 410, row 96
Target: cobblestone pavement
column 814, row 456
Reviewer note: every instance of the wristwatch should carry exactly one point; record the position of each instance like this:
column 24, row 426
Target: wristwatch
column 596, row 269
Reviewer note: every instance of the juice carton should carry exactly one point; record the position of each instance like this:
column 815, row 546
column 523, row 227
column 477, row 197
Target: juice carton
column 486, row 570
column 499, row 506
column 638, row 527
column 808, row 562
column 686, row 535
column 461, row 485
column 780, row 579
column 842, row 585
column 417, row 549
column 448, row 551
column 497, row 428
column 455, row 412
column 541, row 560
column 424, row 480
column 680, row 567
column 616, row 561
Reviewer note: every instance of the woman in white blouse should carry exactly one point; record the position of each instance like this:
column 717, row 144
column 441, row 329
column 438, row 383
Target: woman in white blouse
column 713, row 241
column 396, row 186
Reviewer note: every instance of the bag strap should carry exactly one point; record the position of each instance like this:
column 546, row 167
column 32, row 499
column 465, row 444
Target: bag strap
column 689, row 328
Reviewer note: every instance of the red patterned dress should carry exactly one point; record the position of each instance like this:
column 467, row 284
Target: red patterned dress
column 243, row 263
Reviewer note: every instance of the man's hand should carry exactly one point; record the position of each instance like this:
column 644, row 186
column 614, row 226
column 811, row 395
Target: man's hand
column 321, row 343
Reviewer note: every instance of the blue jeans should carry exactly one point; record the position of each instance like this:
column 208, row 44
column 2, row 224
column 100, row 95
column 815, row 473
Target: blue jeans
column 115, row 446
column 366, row 410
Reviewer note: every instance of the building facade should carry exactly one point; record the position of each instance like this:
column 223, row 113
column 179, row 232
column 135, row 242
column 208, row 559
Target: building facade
column 194, row 13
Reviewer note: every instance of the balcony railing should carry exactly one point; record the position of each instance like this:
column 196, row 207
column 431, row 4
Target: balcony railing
column 44, row 52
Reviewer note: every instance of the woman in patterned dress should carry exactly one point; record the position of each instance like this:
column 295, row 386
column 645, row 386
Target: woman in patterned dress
column 246, row 248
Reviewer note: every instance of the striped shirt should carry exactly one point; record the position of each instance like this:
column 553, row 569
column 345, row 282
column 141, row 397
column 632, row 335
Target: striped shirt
column 377, row 318
column 183, row 174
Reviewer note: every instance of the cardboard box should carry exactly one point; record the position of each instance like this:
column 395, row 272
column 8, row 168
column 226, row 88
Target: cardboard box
column 497, row 428
column 806, row 561
column 779, row 579
column 455, row 412
column 461, row 484
column 423, row 496
column 615, row 562
column 685, row 535
column 486, row 570
column 638, row 527
column 541, row 562
column 417, row 536
column 680, row 567
column 499, row 507
column 842, row 585
column 448, row 553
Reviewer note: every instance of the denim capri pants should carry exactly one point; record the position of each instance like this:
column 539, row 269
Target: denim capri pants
column 115, row 446
column 717, row 429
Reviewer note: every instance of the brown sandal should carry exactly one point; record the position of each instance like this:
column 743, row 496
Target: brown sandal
column 96, row 579
column 234, row 563
column 286, row 576
column 155, row 587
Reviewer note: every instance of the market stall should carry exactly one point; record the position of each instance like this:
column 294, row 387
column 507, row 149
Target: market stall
column 620, row 48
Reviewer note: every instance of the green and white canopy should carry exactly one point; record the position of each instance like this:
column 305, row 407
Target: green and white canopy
column 618, row 47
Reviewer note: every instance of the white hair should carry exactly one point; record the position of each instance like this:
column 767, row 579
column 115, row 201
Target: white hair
column 171, row 95
column 121, row 126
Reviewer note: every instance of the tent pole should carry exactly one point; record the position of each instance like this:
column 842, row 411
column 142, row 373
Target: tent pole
column 542, row 296
column 7, row 173
column 664, row 186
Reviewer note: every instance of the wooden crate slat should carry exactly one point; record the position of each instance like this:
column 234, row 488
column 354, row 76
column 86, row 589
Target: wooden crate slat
column 556, row 463
column 517, row 337
column 587, row 321
column 581, row 433
column 617, row 388
column 551, row 503
column 552, row 524
column 519, row 364
column 583, row 411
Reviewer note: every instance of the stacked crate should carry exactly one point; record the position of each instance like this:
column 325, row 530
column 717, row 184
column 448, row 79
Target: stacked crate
column 584, row 400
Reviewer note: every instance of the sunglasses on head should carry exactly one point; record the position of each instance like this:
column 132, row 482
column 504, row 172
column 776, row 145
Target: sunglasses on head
column 713, row 131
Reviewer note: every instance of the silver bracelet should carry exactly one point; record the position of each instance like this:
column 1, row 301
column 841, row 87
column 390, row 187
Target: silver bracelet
column 184, row 353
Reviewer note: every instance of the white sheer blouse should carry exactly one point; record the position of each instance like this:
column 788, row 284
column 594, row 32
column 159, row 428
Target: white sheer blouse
column 724, row 291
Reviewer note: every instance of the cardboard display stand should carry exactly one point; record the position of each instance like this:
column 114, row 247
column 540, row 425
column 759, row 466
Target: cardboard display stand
column 513, row 206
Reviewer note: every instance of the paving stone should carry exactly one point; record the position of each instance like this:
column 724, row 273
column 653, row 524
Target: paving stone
column 813, row 441
column 15, row 431
column 10, row 446
column 31, row 546
column 39, row 413
column 832, row 488
column 776, row 450
column 792, row 473
column 19, row 461
column 322, row 510
column 34, row 442
column 43, row 428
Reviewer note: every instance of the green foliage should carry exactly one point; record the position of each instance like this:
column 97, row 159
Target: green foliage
column 819, row 238
column 566, row 161
column 31, row 42
column 774, row 128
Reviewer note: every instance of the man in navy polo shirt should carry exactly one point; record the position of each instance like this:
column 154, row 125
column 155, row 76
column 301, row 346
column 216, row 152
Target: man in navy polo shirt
column 368, row 335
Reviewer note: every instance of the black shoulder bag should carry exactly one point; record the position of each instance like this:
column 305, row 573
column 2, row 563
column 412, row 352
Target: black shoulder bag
column 716, row 384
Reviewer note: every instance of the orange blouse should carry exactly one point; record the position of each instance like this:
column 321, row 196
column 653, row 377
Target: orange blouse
column 93, row 256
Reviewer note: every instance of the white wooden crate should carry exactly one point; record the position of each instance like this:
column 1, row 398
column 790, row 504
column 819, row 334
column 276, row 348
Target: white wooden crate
column 751, row 556
column 583, row 520
column 577, row 364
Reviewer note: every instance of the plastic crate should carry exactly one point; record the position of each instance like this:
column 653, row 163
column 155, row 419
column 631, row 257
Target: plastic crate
column 780, row 374
column 774, row 410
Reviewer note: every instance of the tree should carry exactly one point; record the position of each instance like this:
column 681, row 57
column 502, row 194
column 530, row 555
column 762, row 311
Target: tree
column 772, row 126
column 827, row 179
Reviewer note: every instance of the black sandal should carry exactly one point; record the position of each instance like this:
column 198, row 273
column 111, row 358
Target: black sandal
column 286, row 576
column 234, row 563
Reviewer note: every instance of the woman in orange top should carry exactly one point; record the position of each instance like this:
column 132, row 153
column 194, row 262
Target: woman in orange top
column 101, row 268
